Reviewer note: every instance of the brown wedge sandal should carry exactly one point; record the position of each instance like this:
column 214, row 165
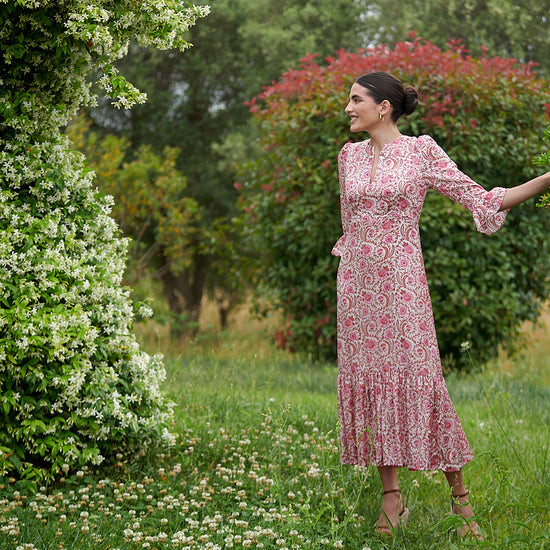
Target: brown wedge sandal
column 470, row 527
column 384, row 525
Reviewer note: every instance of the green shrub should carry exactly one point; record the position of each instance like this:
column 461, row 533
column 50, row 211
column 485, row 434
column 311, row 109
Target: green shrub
column 489, row 114
column 544, row 160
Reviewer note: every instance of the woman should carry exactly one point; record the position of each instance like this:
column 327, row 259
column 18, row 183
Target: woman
column 393, row 404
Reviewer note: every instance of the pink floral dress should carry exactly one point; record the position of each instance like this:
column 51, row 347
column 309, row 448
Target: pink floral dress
column 393, row 403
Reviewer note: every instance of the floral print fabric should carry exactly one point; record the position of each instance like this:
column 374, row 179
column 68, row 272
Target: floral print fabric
column 393, row 404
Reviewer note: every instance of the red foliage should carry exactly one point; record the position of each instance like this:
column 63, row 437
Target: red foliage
column 421, row 62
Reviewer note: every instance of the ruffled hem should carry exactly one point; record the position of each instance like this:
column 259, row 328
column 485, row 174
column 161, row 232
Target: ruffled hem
column 441, row 467
column 400, row 420
column 487, row 217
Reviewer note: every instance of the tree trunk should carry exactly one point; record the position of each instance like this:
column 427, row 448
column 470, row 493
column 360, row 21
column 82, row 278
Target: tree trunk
column 184, row 296
column 224, row 314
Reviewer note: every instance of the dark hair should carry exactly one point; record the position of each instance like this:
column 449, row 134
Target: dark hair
column 384, row 86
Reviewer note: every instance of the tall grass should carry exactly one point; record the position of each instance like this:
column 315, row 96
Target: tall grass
column 257, row 464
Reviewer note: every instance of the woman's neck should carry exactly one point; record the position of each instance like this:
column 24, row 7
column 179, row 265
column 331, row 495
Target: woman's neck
column 383, row 136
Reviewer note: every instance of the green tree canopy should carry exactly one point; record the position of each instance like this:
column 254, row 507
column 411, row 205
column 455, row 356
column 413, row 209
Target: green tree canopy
column 75, row 388
column 514, row 28
column 196, row 103
column 489, row 114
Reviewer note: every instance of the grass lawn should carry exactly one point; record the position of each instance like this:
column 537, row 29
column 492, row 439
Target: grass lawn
column 257, row 465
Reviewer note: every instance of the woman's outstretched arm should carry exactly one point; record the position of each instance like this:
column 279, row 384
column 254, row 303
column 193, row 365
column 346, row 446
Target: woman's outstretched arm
column 521, row 193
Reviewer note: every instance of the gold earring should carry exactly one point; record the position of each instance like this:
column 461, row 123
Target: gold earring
column 381, row 117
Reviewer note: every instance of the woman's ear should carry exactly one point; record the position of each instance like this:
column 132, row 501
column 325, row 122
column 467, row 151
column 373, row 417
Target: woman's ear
column 385, row 108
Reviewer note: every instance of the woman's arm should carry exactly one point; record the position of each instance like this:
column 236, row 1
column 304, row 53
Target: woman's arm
column 521, row 193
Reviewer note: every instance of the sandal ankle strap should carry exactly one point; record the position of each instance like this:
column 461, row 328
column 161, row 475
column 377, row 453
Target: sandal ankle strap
column 467, row 493
column 391, row 491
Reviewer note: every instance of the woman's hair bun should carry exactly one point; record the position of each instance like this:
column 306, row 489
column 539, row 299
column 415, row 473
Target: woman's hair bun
column 410, row 100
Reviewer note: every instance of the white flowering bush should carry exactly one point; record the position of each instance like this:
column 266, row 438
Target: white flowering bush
column 75, row 388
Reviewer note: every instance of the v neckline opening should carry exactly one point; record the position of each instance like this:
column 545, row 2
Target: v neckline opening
column 374, row 167
column 371, row 146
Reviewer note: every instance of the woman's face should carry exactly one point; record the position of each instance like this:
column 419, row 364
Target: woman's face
column 363, row 111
